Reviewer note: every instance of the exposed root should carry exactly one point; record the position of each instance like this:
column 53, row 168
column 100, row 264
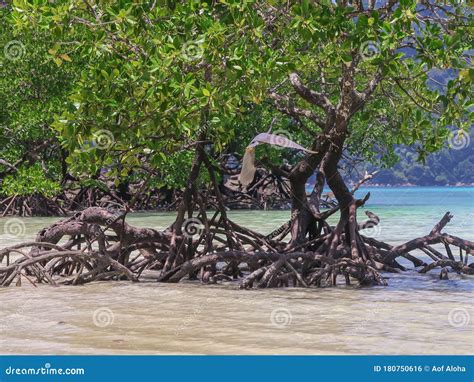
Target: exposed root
column 97, row 244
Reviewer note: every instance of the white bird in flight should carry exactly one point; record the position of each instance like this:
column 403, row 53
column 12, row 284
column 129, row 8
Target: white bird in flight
column 248, row 170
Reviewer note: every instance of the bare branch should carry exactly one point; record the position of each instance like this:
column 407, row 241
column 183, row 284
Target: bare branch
column 285, row 105
column 315, row 98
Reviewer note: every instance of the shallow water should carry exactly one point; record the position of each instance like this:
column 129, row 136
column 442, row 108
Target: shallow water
column 415, row 314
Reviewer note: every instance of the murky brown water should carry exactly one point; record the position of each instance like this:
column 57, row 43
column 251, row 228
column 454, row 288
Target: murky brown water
column 125, row 318
column 415, row 314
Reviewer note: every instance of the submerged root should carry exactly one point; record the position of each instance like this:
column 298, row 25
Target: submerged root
column 97, row 244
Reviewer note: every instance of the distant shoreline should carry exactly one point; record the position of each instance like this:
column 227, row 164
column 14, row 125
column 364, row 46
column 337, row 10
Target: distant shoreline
column 407, row 186
column 417, row 185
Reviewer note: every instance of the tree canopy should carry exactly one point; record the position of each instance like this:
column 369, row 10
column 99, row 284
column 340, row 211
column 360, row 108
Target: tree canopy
column 122, row 87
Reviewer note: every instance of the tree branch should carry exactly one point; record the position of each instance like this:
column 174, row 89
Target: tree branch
column 285, row 105
column 315, row 98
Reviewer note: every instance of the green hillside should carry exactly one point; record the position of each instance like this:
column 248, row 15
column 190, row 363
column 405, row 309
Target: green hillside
column 448, row 167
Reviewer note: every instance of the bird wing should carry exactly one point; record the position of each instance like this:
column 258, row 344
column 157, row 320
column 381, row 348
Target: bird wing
column 276, row 140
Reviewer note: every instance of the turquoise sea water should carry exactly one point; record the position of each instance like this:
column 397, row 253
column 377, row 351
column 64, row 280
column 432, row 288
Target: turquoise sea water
column 405, row 212
column 457, row 197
